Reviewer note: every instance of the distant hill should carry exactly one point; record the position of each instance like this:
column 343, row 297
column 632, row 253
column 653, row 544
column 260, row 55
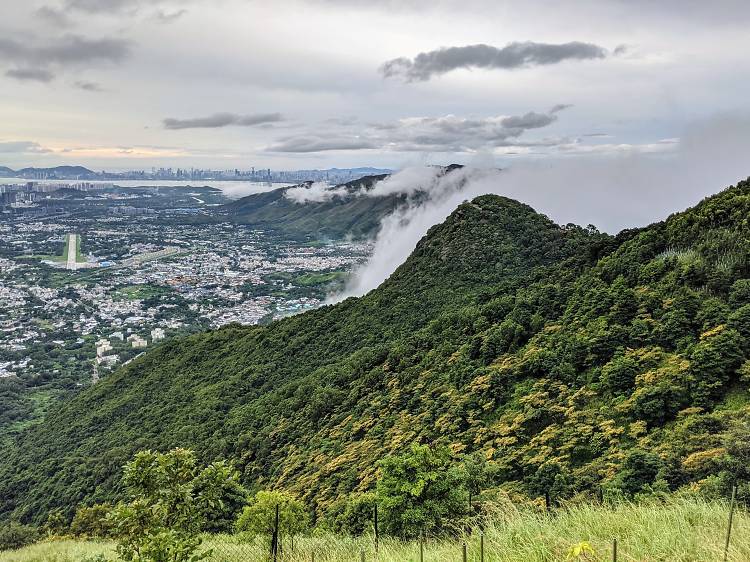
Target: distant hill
column 572, row 360
column 337, row 217
column 6, row 172
column 57, row 172
column 343, row 215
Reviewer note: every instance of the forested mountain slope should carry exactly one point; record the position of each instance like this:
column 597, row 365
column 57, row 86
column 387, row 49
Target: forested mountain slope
column 258, row 394
column 336, row 217
column 572, row 359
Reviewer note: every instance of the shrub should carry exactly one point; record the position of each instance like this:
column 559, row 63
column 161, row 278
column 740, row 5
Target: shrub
column 14, row 536
column 421, row 492
column 259, row 517
column 56, row 523
column 352, row 516
column 92, row 521
column 638, row 471
column 221, row 496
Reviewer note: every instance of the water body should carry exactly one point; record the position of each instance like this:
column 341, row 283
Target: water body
column 231, row 189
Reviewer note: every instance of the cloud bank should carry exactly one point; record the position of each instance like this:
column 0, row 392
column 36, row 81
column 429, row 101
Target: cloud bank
column 448, row 133
column 313, row 143
column 218, row 120
column 513, row 56
column 626, row 190
column 22, row 147
column 30, row 74
column 316, row 192
column 34, row 61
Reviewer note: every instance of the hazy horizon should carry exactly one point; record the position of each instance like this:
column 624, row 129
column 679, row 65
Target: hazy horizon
column 109, row 84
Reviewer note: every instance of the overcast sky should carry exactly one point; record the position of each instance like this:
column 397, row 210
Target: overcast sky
column 123, row 84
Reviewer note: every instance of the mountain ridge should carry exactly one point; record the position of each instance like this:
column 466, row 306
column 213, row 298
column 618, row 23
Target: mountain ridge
column 558, row 352
column 336, row 217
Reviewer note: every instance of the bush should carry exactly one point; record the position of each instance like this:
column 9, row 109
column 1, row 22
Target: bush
column 92, row 521
column 259, row 518
column 638, row 472
column 56, row 523
column 421, row 492
column 353, row 516
column 14, row 536
column 221, row 496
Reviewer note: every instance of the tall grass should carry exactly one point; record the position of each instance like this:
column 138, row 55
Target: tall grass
column 679, row 530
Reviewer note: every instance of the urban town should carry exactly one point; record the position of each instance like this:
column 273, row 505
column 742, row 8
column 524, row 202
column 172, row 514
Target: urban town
column 86, row 287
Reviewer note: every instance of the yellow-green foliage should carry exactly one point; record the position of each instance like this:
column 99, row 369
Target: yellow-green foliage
column 682, row 530
column 573, row 361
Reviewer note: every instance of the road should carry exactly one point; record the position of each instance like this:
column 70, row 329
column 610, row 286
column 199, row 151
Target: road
column 72, row 251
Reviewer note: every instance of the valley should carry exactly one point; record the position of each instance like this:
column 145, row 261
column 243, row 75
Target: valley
column 88, row 289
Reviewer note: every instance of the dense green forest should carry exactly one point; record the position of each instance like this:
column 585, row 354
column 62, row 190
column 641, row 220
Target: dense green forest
column 572, row 360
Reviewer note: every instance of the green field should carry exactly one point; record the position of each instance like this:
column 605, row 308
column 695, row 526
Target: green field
column 60, row 258
column 679, row 530
column 312, row 279
column 138, row 292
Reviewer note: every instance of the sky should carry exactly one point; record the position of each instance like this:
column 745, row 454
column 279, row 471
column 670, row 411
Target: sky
column 291, row 84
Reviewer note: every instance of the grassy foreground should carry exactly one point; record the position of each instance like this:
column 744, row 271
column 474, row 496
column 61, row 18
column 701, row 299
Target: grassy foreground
column 681, row 530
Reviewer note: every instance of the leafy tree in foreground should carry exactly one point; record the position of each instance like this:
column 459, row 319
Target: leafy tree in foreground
column 353, row 515
column 171, row 502
column 421, row 491
column 259, row 518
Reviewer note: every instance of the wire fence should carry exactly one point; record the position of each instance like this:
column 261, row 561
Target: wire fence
column 472, row 546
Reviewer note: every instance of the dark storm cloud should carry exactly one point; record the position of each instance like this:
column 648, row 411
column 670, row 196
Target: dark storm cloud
column 514, row 55
column 530, row 120
column 100, row 6
column 30, row 74
column 68, row 50
column 449, row 133
column 124, row 7
column 219, row 120
column 308, row 144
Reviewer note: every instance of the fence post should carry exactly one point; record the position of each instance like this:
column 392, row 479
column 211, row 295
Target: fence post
column 481, row 547
column 313, row 556
column 729, row 526
column 275, row 538
column 421, row 549
column 614, row 550
column 377, row 536
column 547, row 501
column 464, row 549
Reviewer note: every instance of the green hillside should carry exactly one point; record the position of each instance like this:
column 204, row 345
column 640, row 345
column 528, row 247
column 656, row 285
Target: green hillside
column 572, row 359
column 338, row 217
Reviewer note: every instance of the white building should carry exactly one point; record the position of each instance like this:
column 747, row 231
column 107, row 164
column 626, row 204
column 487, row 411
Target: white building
column 108, row 360
column 102, row 347
column 137, row 341
column 157, row 334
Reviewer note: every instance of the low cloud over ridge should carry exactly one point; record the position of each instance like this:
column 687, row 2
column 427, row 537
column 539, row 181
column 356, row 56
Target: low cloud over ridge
column 514, row 55
column 218, row 120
